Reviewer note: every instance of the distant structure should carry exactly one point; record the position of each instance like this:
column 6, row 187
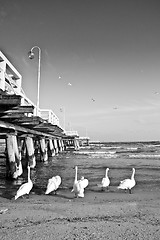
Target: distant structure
column 84, row 141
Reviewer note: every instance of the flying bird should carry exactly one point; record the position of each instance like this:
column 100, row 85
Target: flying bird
column 69, row 84
column 93, row 100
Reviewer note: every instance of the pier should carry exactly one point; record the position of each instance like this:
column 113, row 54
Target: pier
column 29, row 134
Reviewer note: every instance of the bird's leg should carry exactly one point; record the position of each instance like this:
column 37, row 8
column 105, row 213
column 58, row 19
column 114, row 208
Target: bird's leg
column 130, row 191
column 102, row 189
column 55, row 192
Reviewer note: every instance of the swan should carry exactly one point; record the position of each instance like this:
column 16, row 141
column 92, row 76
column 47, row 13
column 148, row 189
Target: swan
column 128, row 183
column 83, row 182
column 79, row 185
column 26, row 187
column 105, row 181
column 53, row 184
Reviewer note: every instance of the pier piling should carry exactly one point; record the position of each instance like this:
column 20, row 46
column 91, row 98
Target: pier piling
column 30, row 151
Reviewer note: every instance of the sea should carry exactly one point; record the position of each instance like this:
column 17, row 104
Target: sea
column 92, row 161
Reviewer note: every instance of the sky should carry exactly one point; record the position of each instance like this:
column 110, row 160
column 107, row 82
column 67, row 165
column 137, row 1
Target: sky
column 100, row 63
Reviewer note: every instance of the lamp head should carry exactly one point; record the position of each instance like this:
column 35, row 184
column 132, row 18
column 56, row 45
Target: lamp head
column 30, row 55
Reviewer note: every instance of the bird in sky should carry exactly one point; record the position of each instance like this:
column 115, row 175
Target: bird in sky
column 93, row 100
column 59, row 77
column 69, row 84
column 156, row 93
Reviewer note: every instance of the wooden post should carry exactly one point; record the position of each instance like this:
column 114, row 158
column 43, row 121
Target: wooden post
column 76, row 143
column 19, row 169
column 60, row 145
column 23, row 152
column 30, row 151
column 23, row 148
column 64, row 145
column 43, row 147
column 10, row 158
column 51, row 150
column 2, row 74
column 37, row 148
column 55, row 146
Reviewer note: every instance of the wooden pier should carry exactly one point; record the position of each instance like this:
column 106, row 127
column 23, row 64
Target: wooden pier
column 28, row 137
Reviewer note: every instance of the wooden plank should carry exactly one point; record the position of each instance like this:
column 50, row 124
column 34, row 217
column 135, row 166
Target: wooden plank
column 48, row 126
column 24, row 120
column 12, row 116
column 10, row 100
column 18, row 109
column 21, row 130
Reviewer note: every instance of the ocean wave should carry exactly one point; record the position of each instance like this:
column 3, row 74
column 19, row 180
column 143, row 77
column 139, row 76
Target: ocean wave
column 132, row 148
column 115, row 147
column 103, row 156
column 144, row 156
column 99, row 154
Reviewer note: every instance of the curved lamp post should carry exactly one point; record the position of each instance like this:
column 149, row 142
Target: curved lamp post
column 31, row 56
column 64, row 117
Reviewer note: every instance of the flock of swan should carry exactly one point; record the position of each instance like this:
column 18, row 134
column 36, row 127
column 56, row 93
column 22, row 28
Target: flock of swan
column 78, row 185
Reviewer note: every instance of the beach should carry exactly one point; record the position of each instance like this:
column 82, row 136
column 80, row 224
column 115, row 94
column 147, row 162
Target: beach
column 111, row 214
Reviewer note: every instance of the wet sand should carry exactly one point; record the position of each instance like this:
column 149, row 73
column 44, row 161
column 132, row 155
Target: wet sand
column 112, row 214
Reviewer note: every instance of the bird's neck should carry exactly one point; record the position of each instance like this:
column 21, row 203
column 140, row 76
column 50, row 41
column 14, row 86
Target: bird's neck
column 132, row 177
column 107, row 173
column 29, row 179
column 75, row 173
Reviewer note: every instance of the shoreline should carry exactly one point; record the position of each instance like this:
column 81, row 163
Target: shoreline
column 99, row 215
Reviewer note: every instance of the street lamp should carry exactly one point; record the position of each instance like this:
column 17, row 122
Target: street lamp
column 64, row 117
column 31, row 56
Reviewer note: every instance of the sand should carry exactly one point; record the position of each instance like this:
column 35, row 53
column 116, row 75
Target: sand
column 112, row 214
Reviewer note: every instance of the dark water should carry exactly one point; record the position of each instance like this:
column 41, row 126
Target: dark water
column 92, row 162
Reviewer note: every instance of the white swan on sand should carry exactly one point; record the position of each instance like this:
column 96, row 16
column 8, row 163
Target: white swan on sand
column 53, row 184
column 26, row 187
column 128, row 183
column 105, row 181
column 84, row 182
column 79, row 185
